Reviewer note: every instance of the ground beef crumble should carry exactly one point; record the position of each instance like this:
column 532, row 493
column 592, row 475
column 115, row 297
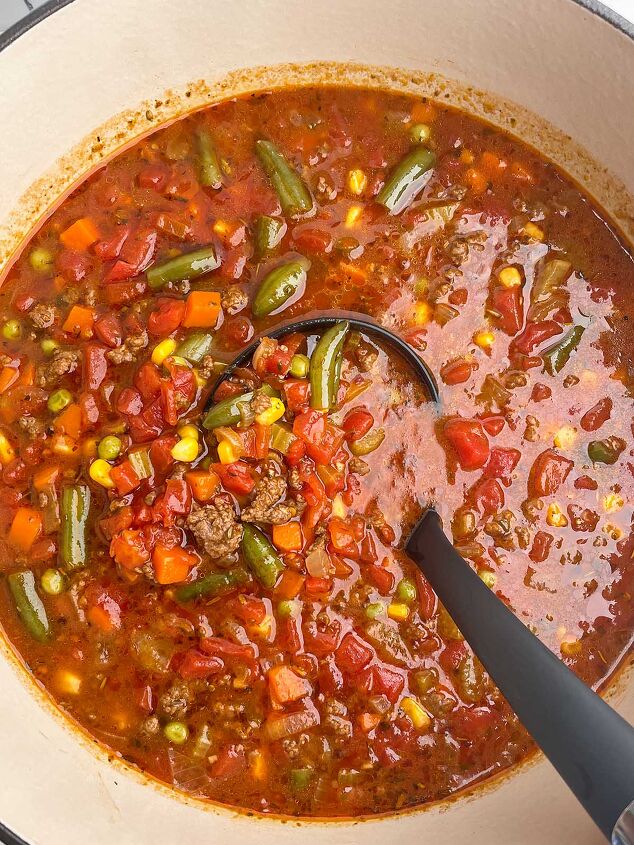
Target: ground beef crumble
column 216, row 527
column 128, row 351
column 63, row 361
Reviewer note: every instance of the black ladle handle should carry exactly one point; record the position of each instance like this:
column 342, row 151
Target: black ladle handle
column 588, row 743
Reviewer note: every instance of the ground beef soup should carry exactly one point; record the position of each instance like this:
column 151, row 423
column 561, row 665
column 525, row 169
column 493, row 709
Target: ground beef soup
column 221, row 596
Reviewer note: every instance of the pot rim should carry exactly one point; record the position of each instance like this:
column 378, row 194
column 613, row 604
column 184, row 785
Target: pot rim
column 595, row 7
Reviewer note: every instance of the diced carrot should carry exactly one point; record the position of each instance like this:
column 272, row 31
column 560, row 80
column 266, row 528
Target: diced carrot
column 288, row 537
column 69, row 421
column 59, row 283
column 100, row 618
column 80, row 321
column 491, row 164
column 8, row 377
column 285, row 685
column 25, row 528
column 45, row 477
column 476, row 180
column 27, row 374
column 128, row 549
column 203, row 484
column 81, row 235
column 368, row 721
column 518, row 171
column 290, row 585
column 355, row 274
column 424, row 113
column 202, row 309
column 171, row 565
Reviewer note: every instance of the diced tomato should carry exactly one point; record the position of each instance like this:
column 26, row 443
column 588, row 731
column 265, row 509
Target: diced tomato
column 380, row 577
column 321, row 643
column 95, row 366
column 353, row 654
column 129, row 549
column 469, row 441
column 502, row 462
column 296, row 452
column 226, row 648
column 342, row 538
column 109, row 248
column 116, row 523
column 488, row 496
column 456, row 372
column 235, row 478
column 387, row 682
column 584, row 482
column 195, row 664
column 427, row 601
column 472, row 724
column 129, row 402
column 177, row 498
column 368, row 550
column 541, row 392
column 108, row 330
column 230, row 762
column 597, row 415
column 508, row 303
column 534, row 335
column 541, row 546
column 166, row 317
column 332, row 479
column 147, row 381
column 317, row 586
column 153, row 175
column 248, row 608
column 323, row 440
column 452, row 656
column 168, row 402
column 237, row 331
column 125, row 477
column 548, row 473
column 73, row 266
column 493, row 425
column 123, row 293
column 161, row 452
column 297, row 393
column 312, row 240
column 89, row 410
column 135, row 255
column 330, row 679
column 287, row 635
column 357, row 422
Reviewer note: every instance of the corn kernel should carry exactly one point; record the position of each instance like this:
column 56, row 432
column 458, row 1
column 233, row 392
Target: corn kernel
column 163, row 350
column 7, row 452
column 189, row 431
column 357, row 180
column 510, row 277
column 274, row 412
column 612, row 503
column 570, row 647
column 484, row 339
column 488, row 577
column 534, row 232
column 565, row 437
column 67, row 682
column 419, row 716
column 226, row 453
column 352, row 216
column 467, row 157
column 422, row 313
column 264, row 629
column 257, row 765
column 185, row 450
column 398, row 611
column 555, row 516
column 338, row 507
column 100, row 472
column 221, row 228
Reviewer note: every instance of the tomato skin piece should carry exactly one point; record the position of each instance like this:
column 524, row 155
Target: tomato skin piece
column 548, row 473
column 129, row 402
column 456, row 372
column 488, row 496
column 380, row 577
column 108, row 330
column 235, row 478
column 427, row 601
column 502, row 462
column 357, row 422
column 353, row 654
column 469, row 441
column 508, row 303
column 95, row 367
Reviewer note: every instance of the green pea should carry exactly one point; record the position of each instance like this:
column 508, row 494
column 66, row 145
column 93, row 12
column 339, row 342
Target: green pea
column 176, row 732
column 300, row 364
column 53, row 582
column 406, row 590
column 12, row 330
column 59, row 399
column 286, row 609
column 420, row 133
column 40, row 259
column 373, row 610
column 48, row 346
column 109, row 448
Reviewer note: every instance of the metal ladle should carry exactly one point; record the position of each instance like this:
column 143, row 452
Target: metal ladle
column 587, row 742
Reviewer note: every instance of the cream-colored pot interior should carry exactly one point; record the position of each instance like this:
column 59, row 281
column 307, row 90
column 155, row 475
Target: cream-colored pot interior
column 96, row 74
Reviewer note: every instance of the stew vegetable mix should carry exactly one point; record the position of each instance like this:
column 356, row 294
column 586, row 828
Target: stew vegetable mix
column 222, row 597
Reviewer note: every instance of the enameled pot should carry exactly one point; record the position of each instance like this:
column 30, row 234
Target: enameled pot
column 91, row 76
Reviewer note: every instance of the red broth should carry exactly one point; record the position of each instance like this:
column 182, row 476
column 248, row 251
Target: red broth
column 313, row 672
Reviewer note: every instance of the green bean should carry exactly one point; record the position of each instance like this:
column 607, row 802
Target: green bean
column 290, row 188
column 187, row 266
column 300, row 778
column 260, row 555
column 29, row 605
column 210, row 174
column 556, row 357
column 406, row 180
column 195, row 346
column 75, row 508
column 212, row 585
column 368, row 443
column 227, row 412
column 280, row 288
column 606, row 451
column 281, row 438
column 269, row 232
column 325, row 365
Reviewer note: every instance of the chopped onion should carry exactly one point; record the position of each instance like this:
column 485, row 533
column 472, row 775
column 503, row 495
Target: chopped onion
column 279, row 727
column 318, row 564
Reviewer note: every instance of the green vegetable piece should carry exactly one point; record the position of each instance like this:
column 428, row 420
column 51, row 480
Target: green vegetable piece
column 406, row 180
column 212, row 585
column 325, row 367
column 269, row 232
column 406, row 590
column 374, row 609
column 368, row 443
column 195, row 346
column 260, row 555
column 420, row 133
column 556, row 357
column 227, row 412
column 59, row 399
column 53, row 582
column 48, row 346
column 187, row 266
column 141, row 463
column 606, row 451
column 29, row 605
column 12, row 330
column 280, row 288
column 109, row 447
column 75, row 508
column 349, row 777
column 176, row 732
column 281, row 438
column 210, row 173
column 287, row 608
column 300, row 365
column 41, row 259
column 300, row 779
column 290, row 188
column 425, row 680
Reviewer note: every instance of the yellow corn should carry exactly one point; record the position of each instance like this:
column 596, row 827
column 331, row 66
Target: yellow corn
column 189, row 431
column 398, row 611
column 257, row 765
column 419, row 716
column 555, row 516
column 185, row 450
column 565, row 437
column 489, row 578
column 357, row 180
column 226, row 453
column 352, row 216
column 422, row 313
column 338, row 507
column 534, row 232
column 467, row 157
column 67, row 682
column 100, row 472
column 7, row 452
column 264, row 629
column 274, row 412
column 510, row 277
column 221, row 228
column 163, row 350
column 484, row 339
column 612, row 503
